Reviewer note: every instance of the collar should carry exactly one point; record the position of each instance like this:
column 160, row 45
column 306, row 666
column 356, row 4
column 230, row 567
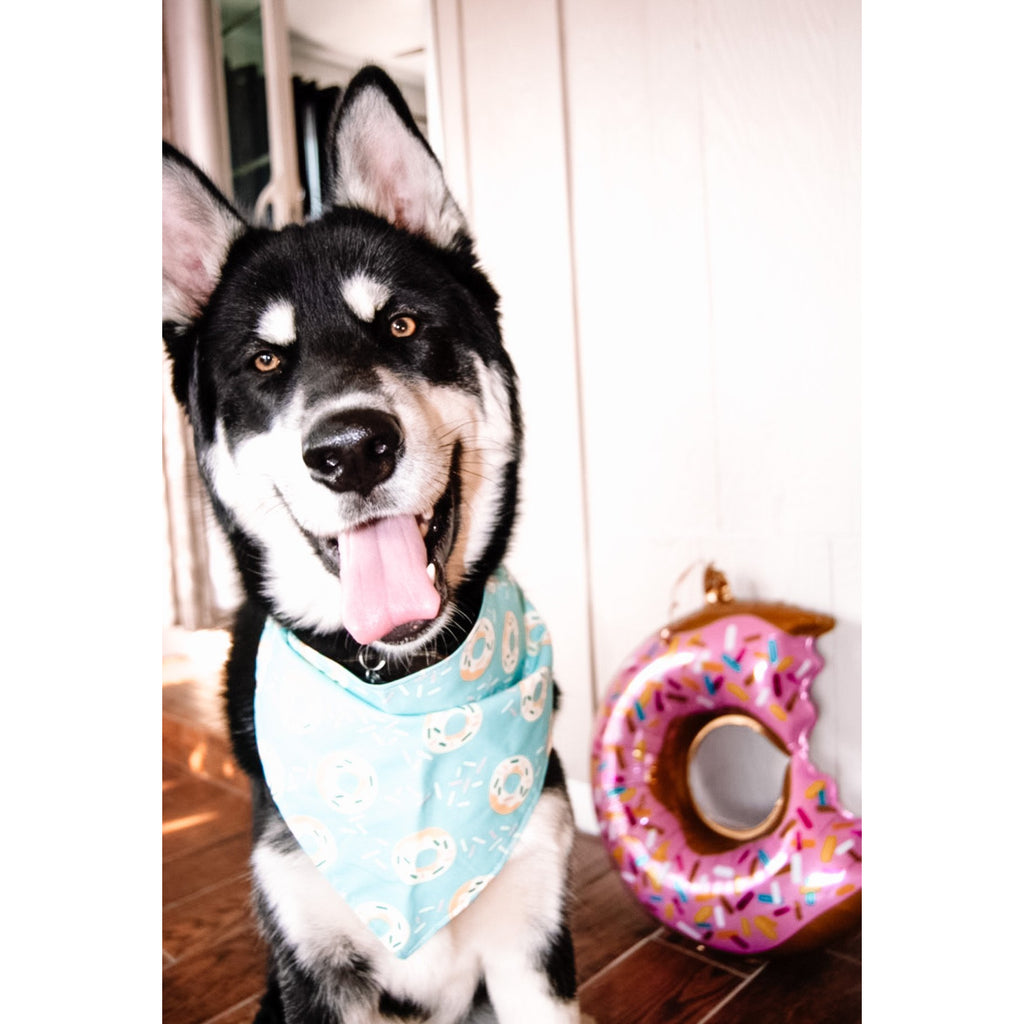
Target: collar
column 409, row 796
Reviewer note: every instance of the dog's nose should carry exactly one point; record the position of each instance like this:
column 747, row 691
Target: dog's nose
column 353, row 450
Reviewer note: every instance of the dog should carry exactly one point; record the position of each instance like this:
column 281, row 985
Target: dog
column 358, row 430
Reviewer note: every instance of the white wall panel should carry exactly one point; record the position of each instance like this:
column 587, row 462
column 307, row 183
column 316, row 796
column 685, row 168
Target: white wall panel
column 784, row 300
column 781, row 93
column 667, row 194
column 514, row 143
column 647, row 365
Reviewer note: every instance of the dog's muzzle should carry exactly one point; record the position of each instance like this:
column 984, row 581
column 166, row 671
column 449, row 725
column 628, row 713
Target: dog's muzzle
column 392, row 568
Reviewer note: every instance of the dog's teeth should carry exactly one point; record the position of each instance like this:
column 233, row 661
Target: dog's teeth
column 424, row 523
column 432, row 572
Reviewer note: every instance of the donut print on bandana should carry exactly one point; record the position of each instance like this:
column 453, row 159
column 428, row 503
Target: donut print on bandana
column 410, row 796
column 478, row 650
column 533, row 693
column 347, row 782
column 423, row 856
column 386, row 923
column 802, row 864
column 466, row 893
column 315, row 838
column 511, row 784
column 446, row 731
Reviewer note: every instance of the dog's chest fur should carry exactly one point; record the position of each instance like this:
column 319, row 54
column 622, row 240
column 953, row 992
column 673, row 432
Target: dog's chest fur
column 443, row 976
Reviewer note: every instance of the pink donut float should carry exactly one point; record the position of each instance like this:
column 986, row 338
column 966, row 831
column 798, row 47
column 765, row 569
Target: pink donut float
column 792, row 881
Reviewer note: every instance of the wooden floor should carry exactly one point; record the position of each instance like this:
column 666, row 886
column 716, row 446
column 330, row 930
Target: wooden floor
column 631, row 970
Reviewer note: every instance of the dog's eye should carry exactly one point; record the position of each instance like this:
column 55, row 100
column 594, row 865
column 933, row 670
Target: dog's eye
column 267, row 362
column 403, row 327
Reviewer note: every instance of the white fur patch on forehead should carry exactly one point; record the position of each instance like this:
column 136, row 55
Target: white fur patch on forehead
column 276, row 324
column 364, row 296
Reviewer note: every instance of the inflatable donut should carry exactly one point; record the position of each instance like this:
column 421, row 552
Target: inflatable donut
column 788, row 883
column 423, row 856
column 438, row 734
column 510, row 782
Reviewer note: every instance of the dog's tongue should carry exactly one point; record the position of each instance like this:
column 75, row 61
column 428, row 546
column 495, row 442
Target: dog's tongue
column 384, row 582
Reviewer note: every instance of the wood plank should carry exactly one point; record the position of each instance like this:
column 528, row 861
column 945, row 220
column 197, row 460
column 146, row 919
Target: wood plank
column 203, row 752
column 848, row 946
column 738, row 964
column 657, row 984
column 199, row 987
column 242, row 1014
column 197, row 813
column 205, row 866
column 813, row 988
column 208, row 917
column 590, row 860
column 193, row 700
column 605, row 922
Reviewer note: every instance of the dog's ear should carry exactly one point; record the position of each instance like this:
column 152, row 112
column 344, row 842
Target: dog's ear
column 380, row 162
column 199, row 227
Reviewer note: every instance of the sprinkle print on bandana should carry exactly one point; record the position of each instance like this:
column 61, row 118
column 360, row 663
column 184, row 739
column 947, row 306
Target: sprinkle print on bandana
column 410, row 796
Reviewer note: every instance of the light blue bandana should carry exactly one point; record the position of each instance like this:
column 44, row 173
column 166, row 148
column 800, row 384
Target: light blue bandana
column 409, row 796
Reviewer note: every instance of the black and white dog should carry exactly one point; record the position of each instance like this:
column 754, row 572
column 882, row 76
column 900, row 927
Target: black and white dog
column 357, row 426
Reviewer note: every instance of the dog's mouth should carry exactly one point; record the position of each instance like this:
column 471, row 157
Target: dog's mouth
column 393, row 571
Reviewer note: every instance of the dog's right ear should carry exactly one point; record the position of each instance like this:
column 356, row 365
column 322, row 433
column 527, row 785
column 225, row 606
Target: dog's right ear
column 380, row 162
column 199, row 227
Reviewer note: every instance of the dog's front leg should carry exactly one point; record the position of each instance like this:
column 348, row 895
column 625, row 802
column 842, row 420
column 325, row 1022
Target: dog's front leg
column 537, row 990
column 528, row 962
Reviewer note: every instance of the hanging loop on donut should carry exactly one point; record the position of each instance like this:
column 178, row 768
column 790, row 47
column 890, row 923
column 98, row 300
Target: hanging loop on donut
column 716, row 586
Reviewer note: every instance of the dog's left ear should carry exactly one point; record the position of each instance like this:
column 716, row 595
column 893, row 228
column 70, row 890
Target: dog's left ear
column 382, row 163
column 199, row 227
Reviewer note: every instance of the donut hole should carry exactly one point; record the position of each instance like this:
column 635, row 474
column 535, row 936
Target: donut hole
column 425, row 857
column 737, row 777
column 724, row 776
column 346, row 784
